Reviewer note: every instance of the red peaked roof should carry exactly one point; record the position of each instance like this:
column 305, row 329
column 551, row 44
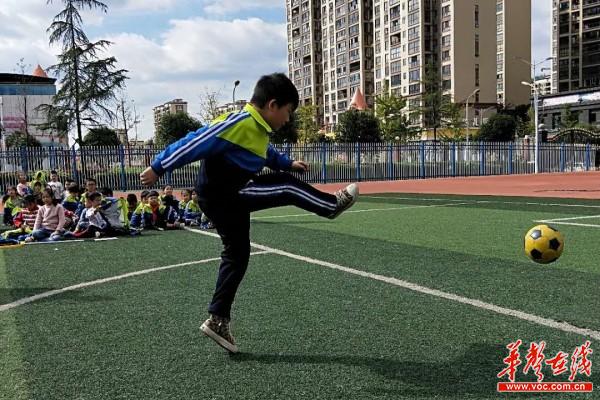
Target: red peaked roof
column 39, row 72
column 358, row 101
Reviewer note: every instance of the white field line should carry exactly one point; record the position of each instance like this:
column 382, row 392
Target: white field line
column 570, row 218
column 39, row 296
column 361, row 211
column 561, row 221
column 570, row 223
column 563, row 326
column 72, row 241
column 528, row 203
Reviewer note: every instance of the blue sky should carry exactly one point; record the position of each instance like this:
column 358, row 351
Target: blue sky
column 181, row 48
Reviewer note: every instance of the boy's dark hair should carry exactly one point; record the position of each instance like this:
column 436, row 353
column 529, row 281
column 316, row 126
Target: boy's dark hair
column 53, row 172
column 37, row 183
column 144, row 194
column 131, row 198
column 106, row 191
column 94, row 196
column 68, row 181
column 188, row 191
column 153, row 193
column 13, row 188
column 90, row 180
column 276, row 87
column 28, row 199
column 169, row 201
column 73, row 188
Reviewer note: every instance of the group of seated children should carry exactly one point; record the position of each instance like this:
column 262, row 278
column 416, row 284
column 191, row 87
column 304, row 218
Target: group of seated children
column 53, row 213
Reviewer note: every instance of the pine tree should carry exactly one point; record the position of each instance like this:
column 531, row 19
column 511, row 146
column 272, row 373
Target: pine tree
column 88, row 82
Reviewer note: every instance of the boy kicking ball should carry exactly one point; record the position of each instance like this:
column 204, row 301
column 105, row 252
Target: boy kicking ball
column 235, row 147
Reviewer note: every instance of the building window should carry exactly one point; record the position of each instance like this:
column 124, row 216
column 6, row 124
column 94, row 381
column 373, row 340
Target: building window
column 413, row 33
column 413, row 19
column 446, row 70
column 413, row 48
column 445, row 40
column 476, row 45
column 476, row 74
column 414, row 76
column 476, row 15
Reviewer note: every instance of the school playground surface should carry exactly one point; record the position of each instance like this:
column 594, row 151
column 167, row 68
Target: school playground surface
column 412, row 294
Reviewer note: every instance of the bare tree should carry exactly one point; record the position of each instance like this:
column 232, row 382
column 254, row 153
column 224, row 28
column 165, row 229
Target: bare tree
column 209, row 103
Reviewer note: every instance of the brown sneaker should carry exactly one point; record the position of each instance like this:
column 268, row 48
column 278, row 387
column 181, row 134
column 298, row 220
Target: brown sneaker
column 217, row 328
column 346, row 197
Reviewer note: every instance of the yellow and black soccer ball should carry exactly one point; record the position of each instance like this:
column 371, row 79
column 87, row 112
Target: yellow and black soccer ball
column 544, row 244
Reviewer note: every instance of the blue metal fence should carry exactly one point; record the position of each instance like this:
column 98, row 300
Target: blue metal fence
column 119, row 167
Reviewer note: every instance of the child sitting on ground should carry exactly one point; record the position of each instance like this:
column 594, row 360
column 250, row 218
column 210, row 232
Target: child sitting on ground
column 115, row 212
column 37, row 192
column 168, row 192
column 12, row 205
column 186, row 196
column 50, row 219
column 91, row 223
column 23, row 188
column 71, row 201
column 154, row 215
column 24, row 221
column 132, row 204
column 193, row 213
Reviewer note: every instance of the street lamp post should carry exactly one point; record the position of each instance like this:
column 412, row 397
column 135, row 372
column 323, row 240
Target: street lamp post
column 467, row 117
column 536, row 118
column 235, row 84
column 467, row 111
column 535, row 105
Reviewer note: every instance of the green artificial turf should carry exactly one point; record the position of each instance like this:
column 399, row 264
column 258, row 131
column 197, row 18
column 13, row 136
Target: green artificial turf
column 305, row 331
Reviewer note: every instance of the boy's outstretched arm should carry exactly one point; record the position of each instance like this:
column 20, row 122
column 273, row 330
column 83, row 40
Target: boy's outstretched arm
column 278, row 161
column 193, row 147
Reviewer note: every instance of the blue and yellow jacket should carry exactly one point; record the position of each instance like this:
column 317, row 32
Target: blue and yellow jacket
column 192, row 211
column 71, row 202
column 144, row 217
column 234, row 148
column 182, row 206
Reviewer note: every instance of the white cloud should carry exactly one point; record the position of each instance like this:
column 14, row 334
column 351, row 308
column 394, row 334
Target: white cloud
column 221, row 7
column 142, row 5
column 195, row 55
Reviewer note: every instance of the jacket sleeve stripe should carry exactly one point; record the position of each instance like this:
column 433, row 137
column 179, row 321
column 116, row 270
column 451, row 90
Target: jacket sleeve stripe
column 212, row 131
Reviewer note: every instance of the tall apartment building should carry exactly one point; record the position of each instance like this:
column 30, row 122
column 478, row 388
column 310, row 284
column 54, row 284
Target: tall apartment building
column 575, row 45
column 304, row 50
column 379, row 44
column 170, row 107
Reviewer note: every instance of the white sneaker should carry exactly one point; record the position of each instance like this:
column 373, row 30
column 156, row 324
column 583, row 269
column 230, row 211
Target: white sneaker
column 346, row 197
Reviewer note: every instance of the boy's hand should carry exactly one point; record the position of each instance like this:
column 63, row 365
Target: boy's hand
column 148, row 177
column 299, row 166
